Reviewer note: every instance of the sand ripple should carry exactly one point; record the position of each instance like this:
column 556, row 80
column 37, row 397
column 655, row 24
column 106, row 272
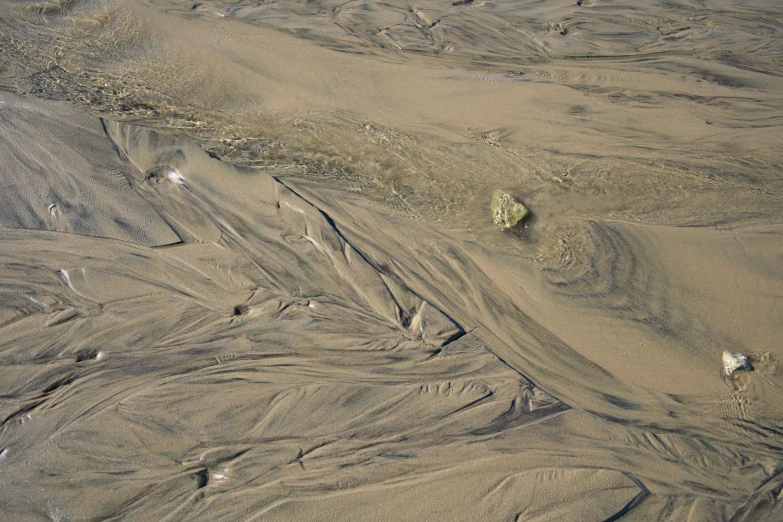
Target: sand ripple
column 248, row 269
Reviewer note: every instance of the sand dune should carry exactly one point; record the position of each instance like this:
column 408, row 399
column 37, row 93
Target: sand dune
column 249, row 270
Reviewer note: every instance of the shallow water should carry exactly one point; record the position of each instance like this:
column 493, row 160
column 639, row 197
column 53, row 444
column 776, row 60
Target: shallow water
column 249, row 269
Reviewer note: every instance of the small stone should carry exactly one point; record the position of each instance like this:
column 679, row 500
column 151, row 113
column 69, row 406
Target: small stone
column 735, row 361
column 507, row 212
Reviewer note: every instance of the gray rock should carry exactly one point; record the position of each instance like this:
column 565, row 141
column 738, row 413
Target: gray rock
column 735, row 361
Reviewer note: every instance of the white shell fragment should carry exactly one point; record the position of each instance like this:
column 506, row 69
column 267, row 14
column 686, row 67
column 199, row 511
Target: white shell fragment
column 735, row 361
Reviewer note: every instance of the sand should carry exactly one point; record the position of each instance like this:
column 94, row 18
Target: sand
column 249, row 270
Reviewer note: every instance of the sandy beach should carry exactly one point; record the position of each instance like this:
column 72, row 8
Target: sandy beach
column 249, row 270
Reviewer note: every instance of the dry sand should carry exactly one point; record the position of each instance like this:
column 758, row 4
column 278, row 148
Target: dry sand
column 248, row 268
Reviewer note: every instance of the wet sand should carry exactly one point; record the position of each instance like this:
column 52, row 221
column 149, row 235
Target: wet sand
column 249, row 269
